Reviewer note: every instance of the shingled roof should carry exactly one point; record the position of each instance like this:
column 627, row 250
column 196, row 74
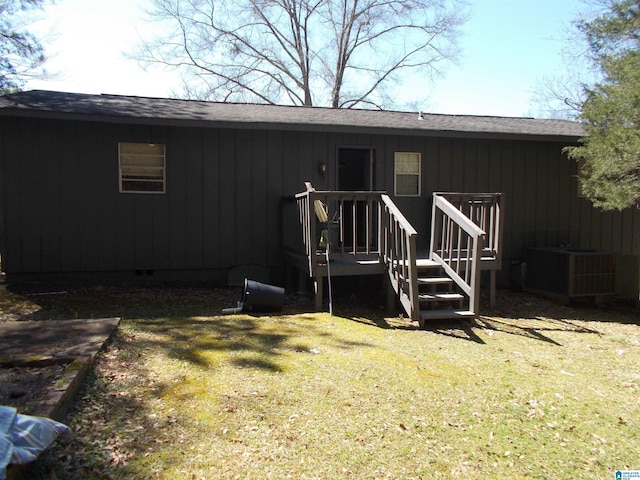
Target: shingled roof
column 127, row 109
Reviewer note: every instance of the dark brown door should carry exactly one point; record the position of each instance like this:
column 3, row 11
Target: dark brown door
column 355, row 169
column 355, row 173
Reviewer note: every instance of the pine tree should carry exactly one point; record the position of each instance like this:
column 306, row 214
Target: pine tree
column 609, row 155
column 21, row 54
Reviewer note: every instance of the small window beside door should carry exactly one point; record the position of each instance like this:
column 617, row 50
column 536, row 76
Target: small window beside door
column 141, row 167
column 407, row 174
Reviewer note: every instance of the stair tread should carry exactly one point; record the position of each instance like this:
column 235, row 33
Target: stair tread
column 440, row 296
column 421, row 263
column 464, row 258
column 445, row 314
column 426, row 263
column 432, row 280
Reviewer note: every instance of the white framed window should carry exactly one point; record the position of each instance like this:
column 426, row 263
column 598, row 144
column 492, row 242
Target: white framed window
column 141, row 167
column 407, row 167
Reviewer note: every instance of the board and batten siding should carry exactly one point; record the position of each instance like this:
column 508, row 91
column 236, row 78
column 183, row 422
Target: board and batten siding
column 62, row 212
column 222, row 206
column 540, row 188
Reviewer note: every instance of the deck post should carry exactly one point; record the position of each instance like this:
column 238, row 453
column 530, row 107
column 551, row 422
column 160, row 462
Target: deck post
column 317, row 291
column 302, row 280
column 492, row 287
column 390, row 293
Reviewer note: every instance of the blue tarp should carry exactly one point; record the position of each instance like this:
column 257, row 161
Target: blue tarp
column 24, row 437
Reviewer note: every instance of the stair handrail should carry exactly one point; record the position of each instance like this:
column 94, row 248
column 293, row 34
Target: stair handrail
column 457, row 248
column 486, row 211
column 399, row 256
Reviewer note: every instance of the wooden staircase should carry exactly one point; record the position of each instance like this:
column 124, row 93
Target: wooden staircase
column 438, row 296
column 373, row 237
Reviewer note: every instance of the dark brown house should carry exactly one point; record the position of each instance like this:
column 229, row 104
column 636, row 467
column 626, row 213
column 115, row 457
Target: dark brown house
column 116, row 187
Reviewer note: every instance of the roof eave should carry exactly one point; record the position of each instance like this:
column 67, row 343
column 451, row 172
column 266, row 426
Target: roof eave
column 283, row 126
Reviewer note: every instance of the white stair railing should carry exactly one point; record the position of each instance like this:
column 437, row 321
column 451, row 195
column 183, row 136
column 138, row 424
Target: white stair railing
column 456, row 244
column 486, row 211
column 399, row 255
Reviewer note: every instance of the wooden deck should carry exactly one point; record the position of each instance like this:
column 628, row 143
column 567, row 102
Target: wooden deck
column 338, row 266
column 366, row 234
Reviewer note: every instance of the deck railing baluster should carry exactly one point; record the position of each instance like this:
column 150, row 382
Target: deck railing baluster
column 367, row 217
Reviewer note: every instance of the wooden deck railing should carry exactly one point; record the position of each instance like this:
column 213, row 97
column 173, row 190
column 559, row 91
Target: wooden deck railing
column 485, row 210
column 456, row 244
column 399, row 240
column 292, row 226
column 365, row 232
column 347, row 222
column 363, row 229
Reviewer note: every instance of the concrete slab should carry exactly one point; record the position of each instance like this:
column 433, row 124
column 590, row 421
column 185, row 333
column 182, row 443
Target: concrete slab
column 74, row 343
column 55, row 338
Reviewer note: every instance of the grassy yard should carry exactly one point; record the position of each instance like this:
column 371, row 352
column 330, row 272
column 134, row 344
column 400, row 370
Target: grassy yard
column 530, row 389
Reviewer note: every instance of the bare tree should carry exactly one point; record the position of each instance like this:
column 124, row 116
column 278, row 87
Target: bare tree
column 343, row 53
column 562, row 95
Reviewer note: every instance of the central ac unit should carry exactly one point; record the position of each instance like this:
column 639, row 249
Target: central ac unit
column 570, row 272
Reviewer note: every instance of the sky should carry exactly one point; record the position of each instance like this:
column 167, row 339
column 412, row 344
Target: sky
column 508, row 47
